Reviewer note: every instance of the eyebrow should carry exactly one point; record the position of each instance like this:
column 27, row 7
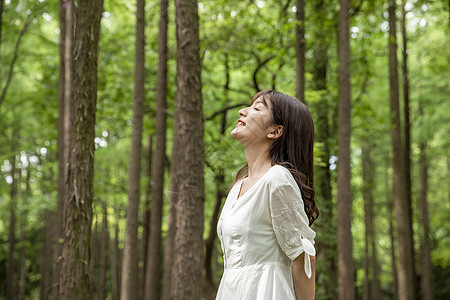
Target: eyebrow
column 260, row 101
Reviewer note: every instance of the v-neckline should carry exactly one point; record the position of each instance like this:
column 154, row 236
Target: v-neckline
column 239, row 196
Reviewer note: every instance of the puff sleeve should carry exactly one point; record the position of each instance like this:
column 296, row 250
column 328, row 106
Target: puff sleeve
column 290, row 223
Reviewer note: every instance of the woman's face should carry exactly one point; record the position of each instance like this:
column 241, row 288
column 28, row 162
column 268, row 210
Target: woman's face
column 254, row 123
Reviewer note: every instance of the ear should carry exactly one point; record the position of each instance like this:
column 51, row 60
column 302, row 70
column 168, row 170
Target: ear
column 275, row 132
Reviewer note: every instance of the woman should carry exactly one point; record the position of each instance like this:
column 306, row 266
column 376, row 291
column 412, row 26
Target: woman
column 264, row 225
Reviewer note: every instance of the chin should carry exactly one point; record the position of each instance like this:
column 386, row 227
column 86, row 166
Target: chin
column 235, row 134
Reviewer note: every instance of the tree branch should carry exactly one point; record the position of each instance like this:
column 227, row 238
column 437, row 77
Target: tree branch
column 16, row 52
column 260, row 65
column 225, row 109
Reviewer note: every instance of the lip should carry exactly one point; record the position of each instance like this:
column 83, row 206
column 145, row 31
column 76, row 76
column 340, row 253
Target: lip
column 240, row 123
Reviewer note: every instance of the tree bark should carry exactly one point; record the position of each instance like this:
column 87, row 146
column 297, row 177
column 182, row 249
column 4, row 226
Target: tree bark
column 11, row 274
column 346, row 267
column 407, row 141
column 153, row 271
column 115, row 265
column 210, row 287
column 147, row 204
column 130, row 255
column 326, row 224
column 103, row 255
column 300, row 51
column 46, row 252
column 172, row 218
column 427, row 292
column 64, row 127
column 74, row 278
column 371, row 281
column 2, row 2
column 405, row 259
column 188, row 250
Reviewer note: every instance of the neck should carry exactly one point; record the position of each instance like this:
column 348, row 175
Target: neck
column 258, row 160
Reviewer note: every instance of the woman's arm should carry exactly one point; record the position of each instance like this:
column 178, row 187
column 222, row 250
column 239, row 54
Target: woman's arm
column 305, row 288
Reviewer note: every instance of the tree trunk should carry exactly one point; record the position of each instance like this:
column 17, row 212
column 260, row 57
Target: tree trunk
column 346, row 267
column 115, row 265
column 22, row 258
column 23, row 225
column 153, row 271
column 407, row 143
column 326, row 224
column 64, row 123
column 46, row 253
column 94, row 253
column 130, row 255
column 170, row 237
column 2, row 2
column 371, row 281
column 74, row 278
column 210, row 287
column 390, row 208
column 147, row 204
column 188, row 250
column 103, row 255
column 11, row 274
column 427, row 292
column 405, row 259
column 300, row 51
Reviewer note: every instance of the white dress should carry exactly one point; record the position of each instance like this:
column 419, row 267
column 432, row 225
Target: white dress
column 261, row 233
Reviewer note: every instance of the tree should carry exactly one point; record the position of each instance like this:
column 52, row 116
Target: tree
column 326, row 246
column 188, row 250
column 425, row 241
column 130, row 255
column 300, row 50
column 153, row 269
column 371, row 288
column 405, row 259
column 345, row 242
column 64, row 123
column 74, row 279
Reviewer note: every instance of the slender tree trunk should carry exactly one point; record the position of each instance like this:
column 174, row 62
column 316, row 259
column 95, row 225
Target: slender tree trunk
column 94, row 253
column 300, row 51
column 367, row 168
column 153, row 271
column 1, row 23
column 407, row 142
column 326, row 224
column 11, row 274
column 22, row 258
column 103, row 255
column 170, row 237
column 130, row 255
column 427, row 292
column 371, row 280
column 188, row 250
column 390, row 209
column 115, row 265
column 74, row 278
column 64, row 127
column 406, row 261
column 346, row 267
column 23, row 225
column 210, row 287
column 46, row 253
column 147, row 204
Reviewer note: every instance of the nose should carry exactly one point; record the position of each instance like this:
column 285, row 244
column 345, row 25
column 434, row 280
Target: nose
column 243, row 112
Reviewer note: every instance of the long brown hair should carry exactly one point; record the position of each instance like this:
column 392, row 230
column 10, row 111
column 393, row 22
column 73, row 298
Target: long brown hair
column 294, row 149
